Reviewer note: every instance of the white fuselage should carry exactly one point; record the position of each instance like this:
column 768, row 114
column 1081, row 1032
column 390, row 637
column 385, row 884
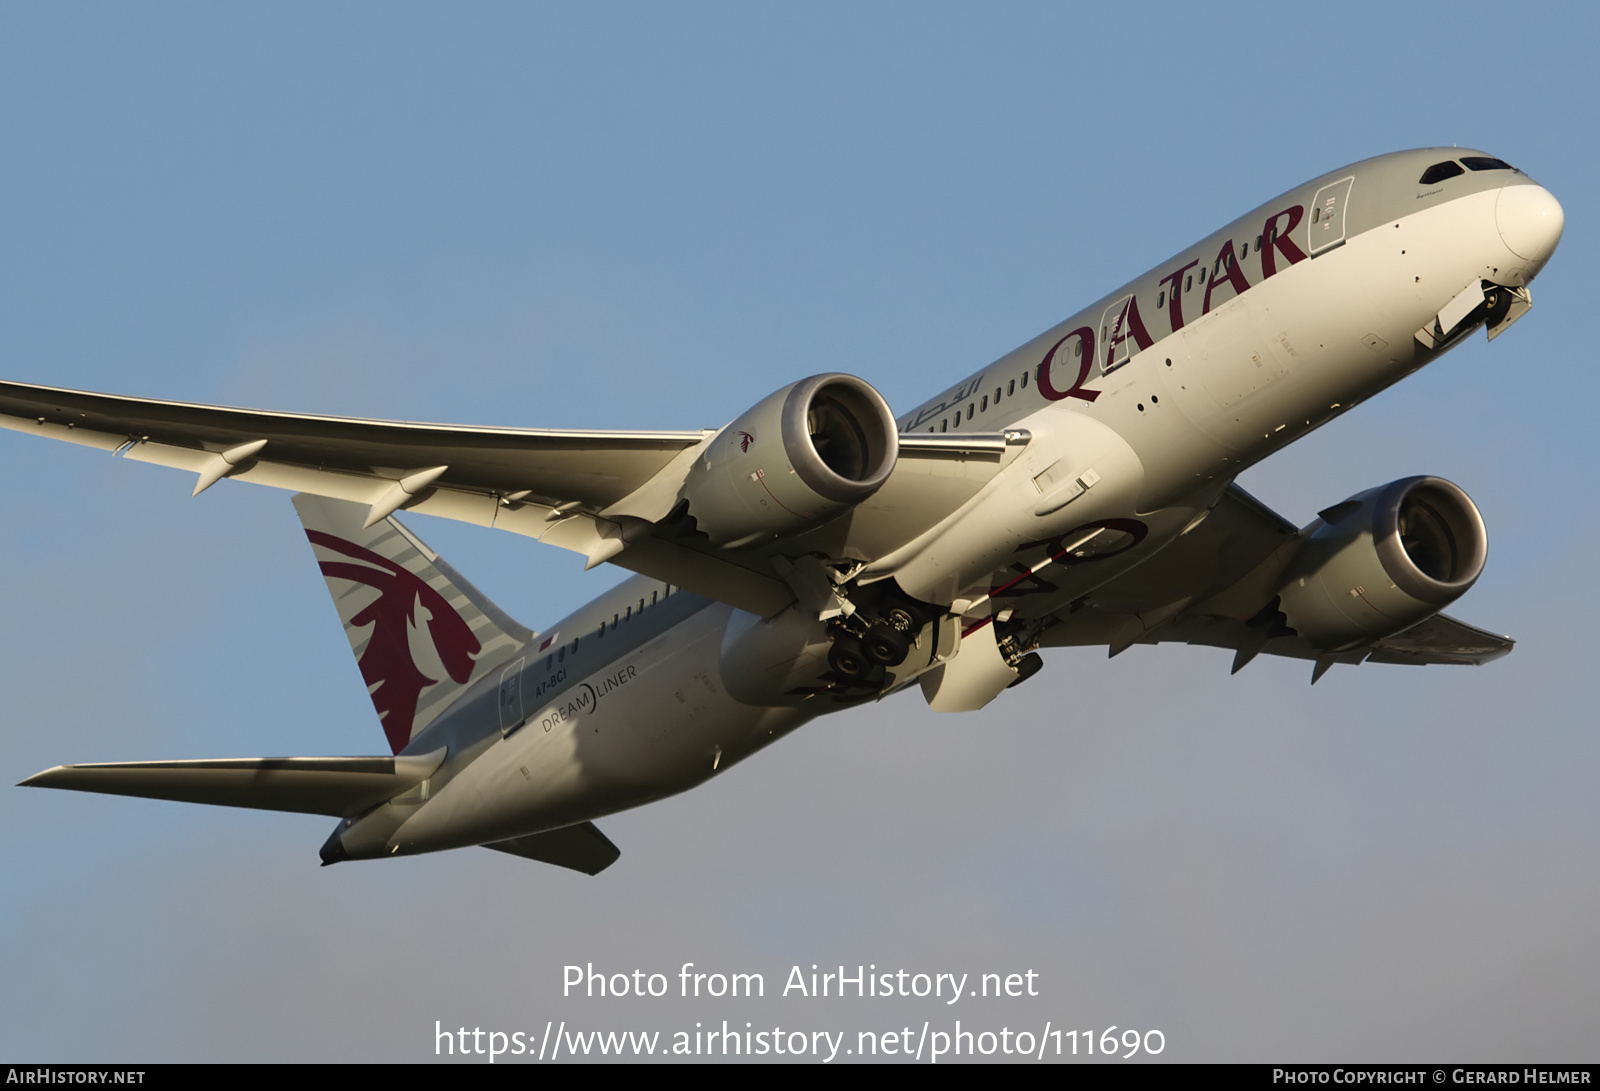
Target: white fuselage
column 1158, row 406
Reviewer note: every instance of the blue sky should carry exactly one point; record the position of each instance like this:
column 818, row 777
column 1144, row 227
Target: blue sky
column 644, row 216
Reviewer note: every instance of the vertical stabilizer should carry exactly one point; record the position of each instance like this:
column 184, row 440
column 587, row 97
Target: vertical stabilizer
column 420, row 632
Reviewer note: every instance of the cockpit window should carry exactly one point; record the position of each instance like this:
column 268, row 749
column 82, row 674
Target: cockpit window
column 1485, row 162
column 1439, row 172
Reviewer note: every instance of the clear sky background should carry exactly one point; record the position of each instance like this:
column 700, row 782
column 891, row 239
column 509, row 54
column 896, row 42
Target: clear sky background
column 641, row 216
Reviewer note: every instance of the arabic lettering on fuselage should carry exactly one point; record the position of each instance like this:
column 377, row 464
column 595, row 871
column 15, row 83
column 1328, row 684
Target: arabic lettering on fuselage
column 951, row 400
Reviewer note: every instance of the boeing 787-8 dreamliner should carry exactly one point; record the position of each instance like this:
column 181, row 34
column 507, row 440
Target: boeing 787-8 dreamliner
column 819, row 551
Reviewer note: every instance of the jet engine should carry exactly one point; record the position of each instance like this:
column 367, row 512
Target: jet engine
column 1383, row 561
column 799, row 457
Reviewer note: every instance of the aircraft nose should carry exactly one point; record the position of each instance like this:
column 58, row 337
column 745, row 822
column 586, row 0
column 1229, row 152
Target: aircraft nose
column 1530, row 222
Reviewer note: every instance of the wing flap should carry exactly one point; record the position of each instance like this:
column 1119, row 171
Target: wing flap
column 1440, row 641
column 83, row 437
column 337, row 787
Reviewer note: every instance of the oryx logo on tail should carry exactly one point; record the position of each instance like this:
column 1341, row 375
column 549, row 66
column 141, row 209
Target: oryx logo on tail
column 405, row 609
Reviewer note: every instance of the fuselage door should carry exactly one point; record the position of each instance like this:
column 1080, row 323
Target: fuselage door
column 511, row 696
column 1327, row 215
column 1116, row 334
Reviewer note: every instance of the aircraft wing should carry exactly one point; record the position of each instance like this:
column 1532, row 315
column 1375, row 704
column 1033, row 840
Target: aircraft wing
column 350, row 458
column 1213, row 586
column 594, row 492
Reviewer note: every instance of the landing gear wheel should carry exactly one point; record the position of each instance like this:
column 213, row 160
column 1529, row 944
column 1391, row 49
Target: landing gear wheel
column 848, row 660
column 904, row 615
column 1498, row 305
column 1027, row 667
column 887, row 645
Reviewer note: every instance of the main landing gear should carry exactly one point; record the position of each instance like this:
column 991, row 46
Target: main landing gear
column 876, row 639
column 883, row 639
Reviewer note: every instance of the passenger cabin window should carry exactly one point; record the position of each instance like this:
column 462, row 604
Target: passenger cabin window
column 986, row 401
column 944, row 426
column 1439, row 172
column 1024, row 380
column 1011, row 387
column 1485, row 162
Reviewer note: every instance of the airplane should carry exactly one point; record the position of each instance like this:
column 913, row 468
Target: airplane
column 819, row 552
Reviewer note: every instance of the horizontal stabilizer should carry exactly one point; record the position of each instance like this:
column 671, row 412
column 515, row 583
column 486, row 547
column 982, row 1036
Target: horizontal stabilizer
column 581, row 848
column 338, row 787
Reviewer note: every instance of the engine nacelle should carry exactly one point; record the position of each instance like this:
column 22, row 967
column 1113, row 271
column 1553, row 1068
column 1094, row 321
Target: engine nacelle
column 1383, row 561
column 799, row 457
